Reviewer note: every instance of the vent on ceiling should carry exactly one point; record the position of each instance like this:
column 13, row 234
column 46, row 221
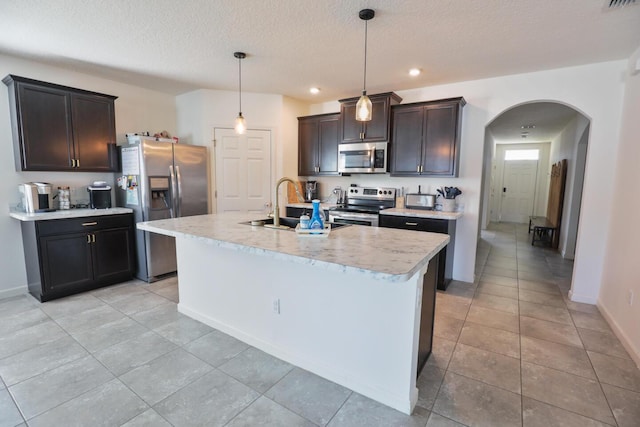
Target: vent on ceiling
column 618, row 3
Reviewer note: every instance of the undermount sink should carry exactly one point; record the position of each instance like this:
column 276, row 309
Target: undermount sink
column 286, row 223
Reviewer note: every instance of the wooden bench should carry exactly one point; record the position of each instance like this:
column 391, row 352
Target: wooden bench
column 543, row 229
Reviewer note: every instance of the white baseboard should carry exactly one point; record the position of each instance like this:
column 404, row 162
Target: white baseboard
column 13, row 292
column 582, row 298
column 622, row 336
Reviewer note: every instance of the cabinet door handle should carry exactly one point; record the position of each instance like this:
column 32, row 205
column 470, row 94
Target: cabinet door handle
column 87, row 224
column 77, row 163
column 88, row 238
column 411, row 223
column 73, row 163
column 418, row 169
column 93, row 238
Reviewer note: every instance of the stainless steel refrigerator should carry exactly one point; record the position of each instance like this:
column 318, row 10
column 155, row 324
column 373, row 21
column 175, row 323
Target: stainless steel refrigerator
column 160, row 179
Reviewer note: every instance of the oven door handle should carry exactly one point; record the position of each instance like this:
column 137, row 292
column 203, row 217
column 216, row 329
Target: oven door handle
column 356, row 216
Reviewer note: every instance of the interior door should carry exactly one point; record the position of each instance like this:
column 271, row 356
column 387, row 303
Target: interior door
column 518, row 190
column 243, row 170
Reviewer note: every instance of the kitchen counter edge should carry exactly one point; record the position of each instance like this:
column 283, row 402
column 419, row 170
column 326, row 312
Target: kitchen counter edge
column 66, row 214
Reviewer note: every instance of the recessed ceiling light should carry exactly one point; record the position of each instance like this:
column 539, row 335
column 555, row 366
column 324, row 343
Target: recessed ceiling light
column 414, row 72
column 314, row 90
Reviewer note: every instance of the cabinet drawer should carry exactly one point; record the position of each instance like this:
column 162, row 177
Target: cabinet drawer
column 413, row 223
column 83, row 224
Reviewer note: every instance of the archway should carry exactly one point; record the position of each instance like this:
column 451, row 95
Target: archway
column 565, row 130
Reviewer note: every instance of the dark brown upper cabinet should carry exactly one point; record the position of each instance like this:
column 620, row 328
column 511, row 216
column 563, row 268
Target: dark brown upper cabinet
column 376, row 130
column 425, row 138
column 318, row 144
column 59, row 128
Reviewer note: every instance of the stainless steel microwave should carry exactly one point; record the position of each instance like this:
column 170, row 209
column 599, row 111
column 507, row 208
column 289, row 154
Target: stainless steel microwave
column 364, row 157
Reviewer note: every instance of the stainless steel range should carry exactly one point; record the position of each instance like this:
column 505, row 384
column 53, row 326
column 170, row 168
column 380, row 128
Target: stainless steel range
column 363, row 205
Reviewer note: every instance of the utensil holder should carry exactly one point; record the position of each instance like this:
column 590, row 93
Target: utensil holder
column 448, row 205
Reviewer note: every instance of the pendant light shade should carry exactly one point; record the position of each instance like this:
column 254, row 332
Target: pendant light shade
column 364, row 107
column 240, row 125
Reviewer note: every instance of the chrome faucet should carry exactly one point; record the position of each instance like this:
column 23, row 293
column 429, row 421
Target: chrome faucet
column 276, row 209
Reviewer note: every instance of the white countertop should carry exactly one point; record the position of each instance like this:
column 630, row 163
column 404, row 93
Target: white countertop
column 385, row 253
column 420, row 213
column 66, row 214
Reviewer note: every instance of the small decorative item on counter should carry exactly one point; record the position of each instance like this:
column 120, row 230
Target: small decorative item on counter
column 64, row 201
column 316, row 222
column 304, row 221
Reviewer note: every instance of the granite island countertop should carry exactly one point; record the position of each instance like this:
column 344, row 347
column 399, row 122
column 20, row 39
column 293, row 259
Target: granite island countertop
column 66, row 214
column 385, row 253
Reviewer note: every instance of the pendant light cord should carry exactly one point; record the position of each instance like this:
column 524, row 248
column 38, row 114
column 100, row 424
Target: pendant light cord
column 240, row 83
column 364, row 83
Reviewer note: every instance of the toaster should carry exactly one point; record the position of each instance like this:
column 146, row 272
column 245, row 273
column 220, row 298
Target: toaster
column 420, row 201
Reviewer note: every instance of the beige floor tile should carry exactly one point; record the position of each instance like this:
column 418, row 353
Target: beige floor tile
column 494, row 318
column 526, row 275
column 428, row 384
column 541, row 298
column 452, row 306
column 503, row 272
column 564, row 358
column 436, row 420
column 495, row 302
column 531, row 285
column 550, row 331
column 447, row 327
column 545, row 312
column 499, row 280
column 441, row 351
column 616, row 371
column 486, row 366
column 498, row 290
column 571, row 392
column 593, row 321
column 461, row 289
column 538, row 414
column 578, row 306
column 495, row 340
column 625, row 405
column 475, row 403
column 603, row 342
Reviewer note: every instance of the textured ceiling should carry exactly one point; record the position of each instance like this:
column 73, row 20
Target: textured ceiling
column 178, row 46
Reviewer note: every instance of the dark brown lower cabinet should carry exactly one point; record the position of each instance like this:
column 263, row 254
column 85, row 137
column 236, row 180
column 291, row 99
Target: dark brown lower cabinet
column 427, row 315
column 443, row 226
column 67, row 256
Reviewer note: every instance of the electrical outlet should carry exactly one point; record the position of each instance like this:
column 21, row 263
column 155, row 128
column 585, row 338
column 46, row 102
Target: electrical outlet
column 276, row 305
column 630, row 297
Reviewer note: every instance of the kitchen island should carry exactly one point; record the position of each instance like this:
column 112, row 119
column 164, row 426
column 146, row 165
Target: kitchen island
column 345, row 306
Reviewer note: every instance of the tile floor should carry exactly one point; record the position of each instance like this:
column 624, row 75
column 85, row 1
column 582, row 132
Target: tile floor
column 509, row 350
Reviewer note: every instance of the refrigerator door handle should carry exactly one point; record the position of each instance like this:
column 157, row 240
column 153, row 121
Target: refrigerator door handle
column 179, row 204
column 174, row 188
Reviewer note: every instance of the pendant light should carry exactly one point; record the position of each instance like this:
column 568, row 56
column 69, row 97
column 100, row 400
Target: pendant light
column 241, row 125
column 364, row 107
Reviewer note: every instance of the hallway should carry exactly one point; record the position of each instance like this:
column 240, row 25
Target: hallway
column 513, row 350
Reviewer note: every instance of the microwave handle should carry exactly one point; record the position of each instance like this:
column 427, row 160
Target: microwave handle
column 373, row 159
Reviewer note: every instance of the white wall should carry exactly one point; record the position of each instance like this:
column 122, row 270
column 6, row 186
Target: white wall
column 565, row 146
column 201, row 111
column 596, row 90
column 621, row 266
column 136, row 109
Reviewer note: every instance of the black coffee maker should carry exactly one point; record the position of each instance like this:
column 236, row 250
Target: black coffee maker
column 310, row 190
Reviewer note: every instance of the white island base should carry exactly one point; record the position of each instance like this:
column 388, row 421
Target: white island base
column 348, row 327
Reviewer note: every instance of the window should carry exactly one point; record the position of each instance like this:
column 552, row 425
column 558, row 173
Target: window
column 521, row 154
